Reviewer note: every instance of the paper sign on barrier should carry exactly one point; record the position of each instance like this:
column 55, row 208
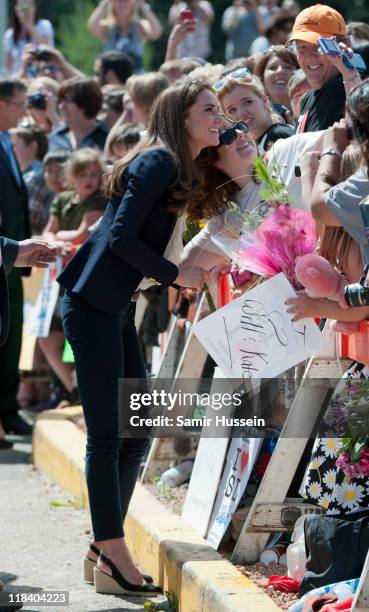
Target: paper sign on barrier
column 46, row 301
column 254, row 337
column 241, row 457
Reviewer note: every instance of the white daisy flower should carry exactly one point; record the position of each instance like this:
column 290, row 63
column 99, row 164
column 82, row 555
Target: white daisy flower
column 317, row 462
column 349, row 495
column 329, row 479
column 325, row 500
column 330, row 447
column 315, row 490
column 332, row 511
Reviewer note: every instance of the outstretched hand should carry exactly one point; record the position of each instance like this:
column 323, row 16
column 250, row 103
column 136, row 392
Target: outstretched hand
column 35, row 252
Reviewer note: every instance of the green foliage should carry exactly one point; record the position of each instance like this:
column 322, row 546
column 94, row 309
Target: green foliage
column 274, row 189
column 75, row 42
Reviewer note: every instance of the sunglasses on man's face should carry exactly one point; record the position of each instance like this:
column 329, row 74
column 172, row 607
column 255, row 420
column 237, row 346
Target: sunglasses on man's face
column 230, row 134
column 241, row 73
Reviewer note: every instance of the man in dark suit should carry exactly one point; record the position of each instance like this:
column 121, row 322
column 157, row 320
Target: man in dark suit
column 14, row 223
column 20, row 254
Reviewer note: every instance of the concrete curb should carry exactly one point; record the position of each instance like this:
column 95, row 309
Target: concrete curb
column 178, row 559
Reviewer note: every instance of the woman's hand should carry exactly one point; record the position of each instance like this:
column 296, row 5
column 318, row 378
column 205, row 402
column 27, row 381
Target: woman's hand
column 309, row 163
column 27, row 59
column 335, row 137
column 193, row 276
column 236, row 292
column 303, row 307
column 180, row 31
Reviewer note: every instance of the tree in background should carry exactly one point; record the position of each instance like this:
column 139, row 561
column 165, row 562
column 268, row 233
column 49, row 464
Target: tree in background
column 69, row 18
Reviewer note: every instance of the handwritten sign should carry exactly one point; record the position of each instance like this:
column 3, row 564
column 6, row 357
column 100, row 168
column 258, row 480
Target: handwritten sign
column 254, row 337
column 241, row 457
column 46, row 301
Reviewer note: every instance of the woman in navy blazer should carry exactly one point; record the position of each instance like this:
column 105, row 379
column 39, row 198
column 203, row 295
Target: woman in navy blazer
column 149, row 190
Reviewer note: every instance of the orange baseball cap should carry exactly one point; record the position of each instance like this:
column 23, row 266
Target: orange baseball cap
column 317, row 21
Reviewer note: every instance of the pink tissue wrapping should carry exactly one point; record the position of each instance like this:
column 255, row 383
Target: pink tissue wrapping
column 275, row 245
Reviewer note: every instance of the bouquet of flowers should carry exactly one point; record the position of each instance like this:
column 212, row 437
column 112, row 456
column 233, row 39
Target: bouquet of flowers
column 354, row 457
column 267, row 239
column 348, row 418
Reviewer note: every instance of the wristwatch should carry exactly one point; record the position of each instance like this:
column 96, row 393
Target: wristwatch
column 331, row 152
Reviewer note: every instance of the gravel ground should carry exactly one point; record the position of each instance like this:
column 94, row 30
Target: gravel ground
column 259, row 573
column 42, row 543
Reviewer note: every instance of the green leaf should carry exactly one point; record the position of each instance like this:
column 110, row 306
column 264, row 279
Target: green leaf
column 357, row 450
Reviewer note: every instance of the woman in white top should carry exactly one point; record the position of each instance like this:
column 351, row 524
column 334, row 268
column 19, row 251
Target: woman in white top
column 228, row 176
column 26, row 28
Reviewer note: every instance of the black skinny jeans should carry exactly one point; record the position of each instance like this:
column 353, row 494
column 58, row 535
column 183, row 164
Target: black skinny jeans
column 105, row 348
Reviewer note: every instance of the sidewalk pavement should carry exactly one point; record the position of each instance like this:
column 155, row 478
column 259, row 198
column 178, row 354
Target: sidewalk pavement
column 42, row 543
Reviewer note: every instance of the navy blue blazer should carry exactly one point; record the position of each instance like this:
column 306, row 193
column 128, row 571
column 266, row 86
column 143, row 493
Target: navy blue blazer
column 8, row 252
column 14, row 213
column 130, row 240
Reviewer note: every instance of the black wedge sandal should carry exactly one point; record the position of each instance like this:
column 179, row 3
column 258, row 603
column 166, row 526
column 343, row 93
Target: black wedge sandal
column 116, row 584
column 89, row 565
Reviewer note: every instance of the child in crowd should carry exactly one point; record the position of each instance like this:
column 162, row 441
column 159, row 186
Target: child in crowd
column 30, row 146
column 121, row 140
column 72, row 212
column 55, row 171
column 71, row 215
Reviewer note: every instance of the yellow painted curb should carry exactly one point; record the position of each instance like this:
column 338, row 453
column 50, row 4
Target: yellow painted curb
column 178, row 559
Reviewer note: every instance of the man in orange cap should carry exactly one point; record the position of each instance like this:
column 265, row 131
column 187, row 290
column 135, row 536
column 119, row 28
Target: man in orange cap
column 325, row 104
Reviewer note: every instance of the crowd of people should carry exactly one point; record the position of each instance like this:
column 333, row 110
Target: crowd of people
column 113, row 166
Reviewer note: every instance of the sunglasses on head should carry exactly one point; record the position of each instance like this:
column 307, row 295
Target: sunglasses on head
column 230, row 134
column 241, row 73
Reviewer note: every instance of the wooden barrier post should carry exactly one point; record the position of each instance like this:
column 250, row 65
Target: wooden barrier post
column 270, row 498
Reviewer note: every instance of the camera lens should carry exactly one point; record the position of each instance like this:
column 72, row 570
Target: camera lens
column 37, row 100
column 357, row 295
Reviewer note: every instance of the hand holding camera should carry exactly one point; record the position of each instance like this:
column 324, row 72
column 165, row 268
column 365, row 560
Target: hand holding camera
column 345, row 60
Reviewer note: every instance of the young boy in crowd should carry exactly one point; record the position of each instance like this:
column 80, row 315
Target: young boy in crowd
column 30, row 146
column 71, row 214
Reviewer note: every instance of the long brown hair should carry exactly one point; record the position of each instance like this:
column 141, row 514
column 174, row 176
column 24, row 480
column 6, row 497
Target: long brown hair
column 17, row 26
column 286, row 55
column 336, row 242
column 167, row 129
column 357, row 106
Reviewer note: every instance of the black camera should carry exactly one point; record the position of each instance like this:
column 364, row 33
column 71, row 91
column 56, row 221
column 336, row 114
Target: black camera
column 357, row 294
column 41, row 55
column 37, row 100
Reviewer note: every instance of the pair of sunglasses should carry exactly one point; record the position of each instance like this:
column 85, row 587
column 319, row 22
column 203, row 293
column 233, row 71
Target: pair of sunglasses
column 241, row 73
column 230, row 134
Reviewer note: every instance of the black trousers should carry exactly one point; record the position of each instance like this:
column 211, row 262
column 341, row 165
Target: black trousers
column 10, row 354
column 105, row 348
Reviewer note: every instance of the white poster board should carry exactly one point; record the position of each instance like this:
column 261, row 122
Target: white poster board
column 241, row 458
column 254, row 337
column 204, row 483
column 44, row 308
